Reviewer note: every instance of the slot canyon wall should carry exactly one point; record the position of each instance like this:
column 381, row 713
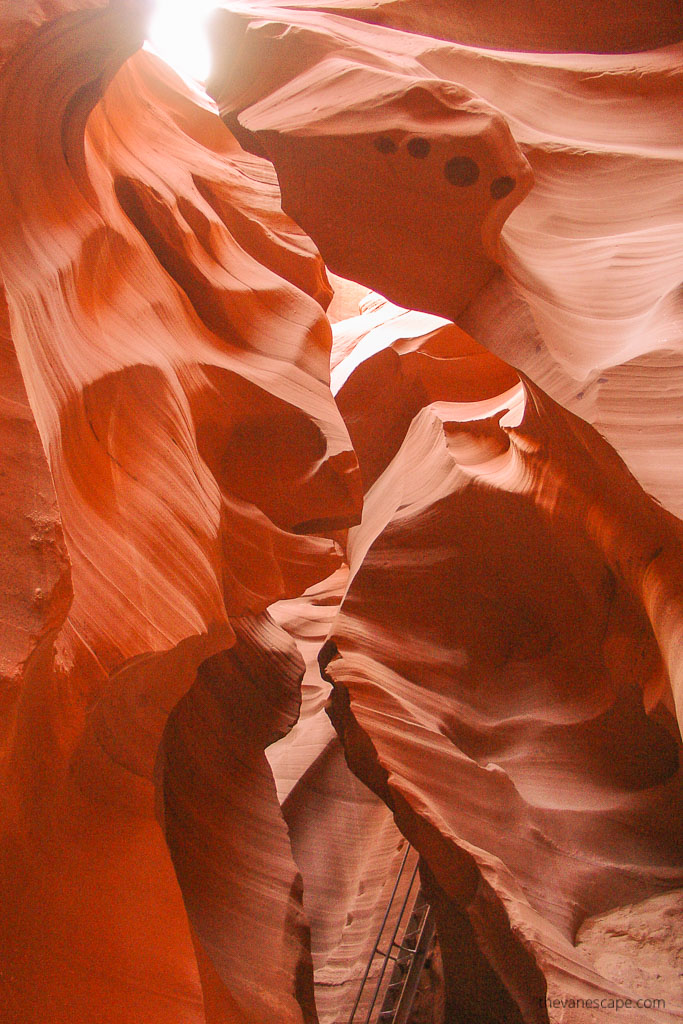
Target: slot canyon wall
column 340, row 506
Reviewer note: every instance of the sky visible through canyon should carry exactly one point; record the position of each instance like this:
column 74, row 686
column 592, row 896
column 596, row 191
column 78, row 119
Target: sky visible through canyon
column 177, row 32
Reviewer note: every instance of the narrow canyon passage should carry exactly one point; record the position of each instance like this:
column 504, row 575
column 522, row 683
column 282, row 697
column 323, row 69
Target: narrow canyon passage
column 340, row 502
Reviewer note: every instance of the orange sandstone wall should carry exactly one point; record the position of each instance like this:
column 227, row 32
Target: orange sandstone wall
column 171, row 444
column 190, row 521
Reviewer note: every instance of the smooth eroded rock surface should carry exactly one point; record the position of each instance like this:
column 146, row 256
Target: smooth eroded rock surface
column 457, row 557
column 166, row 407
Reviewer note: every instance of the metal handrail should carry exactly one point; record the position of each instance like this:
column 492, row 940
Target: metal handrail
column 409, row 966
column 409, row 959
column 379, row 933
column 392, row 943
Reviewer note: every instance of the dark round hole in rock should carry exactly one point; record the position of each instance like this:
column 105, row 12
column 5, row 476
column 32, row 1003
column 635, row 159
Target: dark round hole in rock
column 461, row 171
column 385, row 145
column 419, row 148
column 501, row 187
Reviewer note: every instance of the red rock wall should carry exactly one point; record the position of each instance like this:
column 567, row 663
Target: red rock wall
column 507, row 566
column 165, row 331
column 494, row 597
column 489, row 661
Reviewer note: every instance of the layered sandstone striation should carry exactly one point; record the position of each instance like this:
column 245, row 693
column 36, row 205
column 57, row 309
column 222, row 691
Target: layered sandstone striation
column 165, row 324
column 194, row 529
column 589, row 305
column 375, row 153
column 344, row 839
column 497, row 642
column 513, row 608
column 588, row 26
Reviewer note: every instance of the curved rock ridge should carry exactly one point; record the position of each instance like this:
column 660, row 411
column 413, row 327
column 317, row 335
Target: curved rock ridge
column 635, row 406
column 589, row 26
column 593, row 127
column 593, row 251
column 178, row 491
column 307, row 620
column 167, row 327
column 512, row 608
column 229, row 843
column 343, row 837
column 374, row 153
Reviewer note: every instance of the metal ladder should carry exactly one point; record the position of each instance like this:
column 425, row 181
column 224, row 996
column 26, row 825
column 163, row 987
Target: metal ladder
column 392, row 997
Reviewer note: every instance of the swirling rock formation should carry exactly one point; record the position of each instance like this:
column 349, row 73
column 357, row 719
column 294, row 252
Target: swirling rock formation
column 590, row 303
column 489, row 658
column 180, row 501
column 343, row 836
column 167, row 325
column 589, row 26
column 374, row 153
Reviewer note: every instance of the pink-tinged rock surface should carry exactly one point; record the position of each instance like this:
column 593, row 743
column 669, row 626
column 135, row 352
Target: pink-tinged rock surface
column 589, row 26
column 500, row 668
column 638, row 945
column 180, row 509
column 166, row 407
column 591, row 256
column 344, row 839
column 375, row 154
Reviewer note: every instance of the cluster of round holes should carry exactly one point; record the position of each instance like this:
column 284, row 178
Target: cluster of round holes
column 459, row 170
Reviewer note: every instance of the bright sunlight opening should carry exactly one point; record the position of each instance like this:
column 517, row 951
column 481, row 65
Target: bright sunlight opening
column 178, row 34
